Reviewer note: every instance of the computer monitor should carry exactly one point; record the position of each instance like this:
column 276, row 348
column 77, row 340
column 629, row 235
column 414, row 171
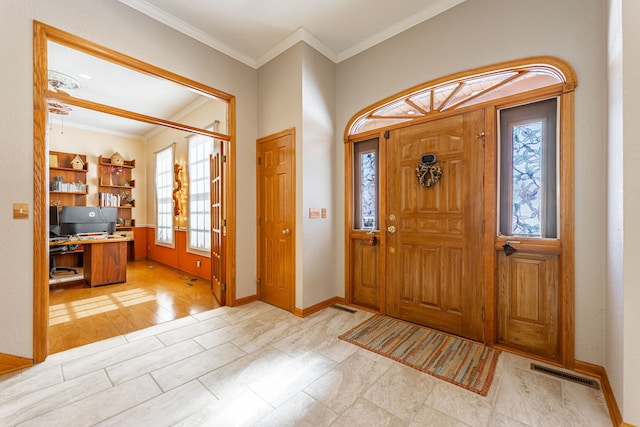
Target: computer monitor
column 78, row 220
column 54, row 221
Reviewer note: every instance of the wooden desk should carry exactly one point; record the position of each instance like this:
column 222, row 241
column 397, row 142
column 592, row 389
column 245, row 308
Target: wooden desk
column 105, row 260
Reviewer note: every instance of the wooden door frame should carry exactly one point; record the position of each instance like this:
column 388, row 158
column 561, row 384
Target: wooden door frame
column 41, row 34
column 292, row 133
column 223, row 227
column 565, row 94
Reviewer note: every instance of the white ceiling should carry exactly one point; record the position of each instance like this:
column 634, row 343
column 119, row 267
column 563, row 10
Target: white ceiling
column 256, row 31
column 111, row 84
column 251, row 31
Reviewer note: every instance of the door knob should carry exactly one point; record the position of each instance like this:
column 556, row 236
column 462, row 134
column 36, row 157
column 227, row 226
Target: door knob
column 286, row 231
column 391, row 229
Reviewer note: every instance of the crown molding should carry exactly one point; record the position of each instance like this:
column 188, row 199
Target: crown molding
column 435, row 8
column 179, row 25
column 292, row 39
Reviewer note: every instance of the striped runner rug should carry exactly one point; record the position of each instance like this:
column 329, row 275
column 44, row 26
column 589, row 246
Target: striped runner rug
column 462, row 362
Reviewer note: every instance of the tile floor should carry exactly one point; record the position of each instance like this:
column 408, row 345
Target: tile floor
column 257, row 365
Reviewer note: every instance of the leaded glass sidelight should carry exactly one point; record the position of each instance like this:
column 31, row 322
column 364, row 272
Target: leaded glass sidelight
column 528, row 170
column 526, row 182
column 365, row 163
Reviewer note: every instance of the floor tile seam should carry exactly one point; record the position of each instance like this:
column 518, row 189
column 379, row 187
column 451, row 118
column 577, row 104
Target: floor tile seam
column 314, row 399
column 202, row 349
column 495, row 411
column 200, row 375
column 180, row 320
column 20, row 380
column 188, row 337
column 105, row 367
column 85, row 395
column 143, row 402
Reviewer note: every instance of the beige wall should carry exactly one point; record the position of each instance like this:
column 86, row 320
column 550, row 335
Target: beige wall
column 137, row 36
column 297, row 89
column 318, row 179
column 482, row 32
column 94, row 144
column 622, row 292
column 614, row 360
column 280, row 108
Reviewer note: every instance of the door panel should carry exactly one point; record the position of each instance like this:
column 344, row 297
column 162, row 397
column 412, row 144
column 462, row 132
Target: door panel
column 434, row 257
column 528, row 302
column 218, row 235
column 365, row 289
column 276, row 232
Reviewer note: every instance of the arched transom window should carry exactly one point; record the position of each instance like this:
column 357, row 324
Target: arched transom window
column 460, row 91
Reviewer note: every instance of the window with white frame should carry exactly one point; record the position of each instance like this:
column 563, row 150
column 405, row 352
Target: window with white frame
column 199, row 237
column 164, row 201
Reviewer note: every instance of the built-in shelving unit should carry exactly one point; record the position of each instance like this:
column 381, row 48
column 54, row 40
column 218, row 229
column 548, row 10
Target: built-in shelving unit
column 68, row 184
column 115, row 189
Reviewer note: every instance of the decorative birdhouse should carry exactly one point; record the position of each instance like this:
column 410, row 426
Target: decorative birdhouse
column 77, row 163
column 117, row 159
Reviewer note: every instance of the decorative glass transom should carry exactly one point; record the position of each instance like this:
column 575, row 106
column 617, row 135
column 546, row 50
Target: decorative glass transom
column 457, row 94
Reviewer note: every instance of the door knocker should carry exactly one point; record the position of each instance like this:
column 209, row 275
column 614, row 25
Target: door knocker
column 428, row 170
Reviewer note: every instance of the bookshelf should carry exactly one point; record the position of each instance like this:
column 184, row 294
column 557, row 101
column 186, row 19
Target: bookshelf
column 68, row 183
column 115, row 189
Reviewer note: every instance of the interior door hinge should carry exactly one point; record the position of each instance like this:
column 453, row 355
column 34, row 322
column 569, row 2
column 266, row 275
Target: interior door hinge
column 224, row 158
column 483, row 314
column 223, row 287
column 224, row 222
column 258, row 160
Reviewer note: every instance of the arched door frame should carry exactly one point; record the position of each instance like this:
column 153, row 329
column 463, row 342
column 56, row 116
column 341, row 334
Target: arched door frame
column 371, row 122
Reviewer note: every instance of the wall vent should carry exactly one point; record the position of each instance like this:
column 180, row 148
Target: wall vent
column 566, row 376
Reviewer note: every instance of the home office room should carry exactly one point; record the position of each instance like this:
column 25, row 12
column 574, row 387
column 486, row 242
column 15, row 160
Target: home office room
column 129, row 238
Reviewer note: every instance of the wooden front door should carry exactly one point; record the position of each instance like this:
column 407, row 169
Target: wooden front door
column 276, row 219
column 218, row 226
column 434, row 234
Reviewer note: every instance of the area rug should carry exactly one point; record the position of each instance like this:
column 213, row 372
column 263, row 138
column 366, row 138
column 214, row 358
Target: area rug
column 462, row 362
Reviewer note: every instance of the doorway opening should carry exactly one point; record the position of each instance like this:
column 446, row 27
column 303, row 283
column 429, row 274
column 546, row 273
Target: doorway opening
column 45, row 96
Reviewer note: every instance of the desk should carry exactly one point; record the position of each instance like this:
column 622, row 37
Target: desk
column 105, row 260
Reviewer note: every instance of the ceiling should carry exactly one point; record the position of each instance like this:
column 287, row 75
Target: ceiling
column 251, row 31
column 256, row 31
column 111, row 84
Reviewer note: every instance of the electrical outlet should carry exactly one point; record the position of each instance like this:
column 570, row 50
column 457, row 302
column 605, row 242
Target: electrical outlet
column 199, row 263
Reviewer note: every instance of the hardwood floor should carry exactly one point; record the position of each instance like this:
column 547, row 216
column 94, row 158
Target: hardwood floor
column 152, row 294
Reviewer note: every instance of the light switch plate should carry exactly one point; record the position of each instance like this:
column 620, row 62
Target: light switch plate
column 20, row 211
column 314, row 213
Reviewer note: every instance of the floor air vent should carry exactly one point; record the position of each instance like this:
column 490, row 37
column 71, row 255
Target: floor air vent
column 566, row 376
column 347, row 309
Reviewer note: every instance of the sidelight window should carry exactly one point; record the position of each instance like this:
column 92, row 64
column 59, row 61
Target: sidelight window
column 365, row 192
column 528, row 170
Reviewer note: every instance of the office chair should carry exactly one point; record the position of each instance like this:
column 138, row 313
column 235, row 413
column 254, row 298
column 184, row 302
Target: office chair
column 57, row 250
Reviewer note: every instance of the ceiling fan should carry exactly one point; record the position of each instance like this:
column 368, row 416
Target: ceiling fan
column 58, row 82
